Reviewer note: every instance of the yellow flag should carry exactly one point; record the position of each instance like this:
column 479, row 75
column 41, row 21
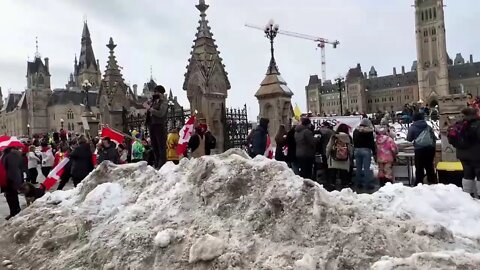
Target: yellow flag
column 297, row 112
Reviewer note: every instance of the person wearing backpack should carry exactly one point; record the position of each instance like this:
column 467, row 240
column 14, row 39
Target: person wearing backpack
column 365, row 148
column 465, row 137
column 424, row 143
column 339, row 153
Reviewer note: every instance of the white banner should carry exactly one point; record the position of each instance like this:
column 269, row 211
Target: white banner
column 351, row 121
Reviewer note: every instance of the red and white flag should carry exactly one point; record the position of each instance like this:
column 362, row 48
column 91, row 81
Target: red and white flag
column 7, row 141
column 185, row 135
column 269, row 148
column 55, row 174
column 114, row 135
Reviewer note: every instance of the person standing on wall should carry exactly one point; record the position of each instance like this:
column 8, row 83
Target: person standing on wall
column 158, row 108
column 424, row 142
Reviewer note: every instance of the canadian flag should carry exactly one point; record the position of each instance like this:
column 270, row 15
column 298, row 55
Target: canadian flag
column 114, row 135
column 185, row 135
column 55, row 174
column 7, row 141
column 269, row 148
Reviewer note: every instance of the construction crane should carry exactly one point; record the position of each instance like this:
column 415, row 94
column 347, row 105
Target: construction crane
column 321, row 43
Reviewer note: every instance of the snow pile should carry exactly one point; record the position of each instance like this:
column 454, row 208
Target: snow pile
column 231, row 212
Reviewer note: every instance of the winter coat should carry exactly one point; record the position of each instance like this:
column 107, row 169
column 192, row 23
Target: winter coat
column 82, row 163
column 158, row 111
column 108, row 153
column 363, row 138
column 325, row 135
column 259, row 140
column 47, row 158
column 197, row 140
column 33, row 160
column 337, row 164
column 415, row 130
column 137, row 150
column 386, row 149
column 172, row 143
column 13, row 163
column 281, row 143
column 305, row 142
column 471, row 154
column 292, row 146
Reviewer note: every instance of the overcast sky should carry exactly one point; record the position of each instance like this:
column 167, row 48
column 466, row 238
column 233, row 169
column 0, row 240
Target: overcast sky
column 160, row 33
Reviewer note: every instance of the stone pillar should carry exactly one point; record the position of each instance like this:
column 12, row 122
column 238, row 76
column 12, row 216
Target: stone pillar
column 449, row 111
column 89, row 124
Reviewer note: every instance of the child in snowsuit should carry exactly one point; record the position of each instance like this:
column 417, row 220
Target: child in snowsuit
column 387, row 151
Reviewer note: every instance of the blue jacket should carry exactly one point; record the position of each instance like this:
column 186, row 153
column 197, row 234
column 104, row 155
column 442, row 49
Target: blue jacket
column 414, row 131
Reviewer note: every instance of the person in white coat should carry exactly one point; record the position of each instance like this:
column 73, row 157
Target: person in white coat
column 32, row 164
column 47, row 159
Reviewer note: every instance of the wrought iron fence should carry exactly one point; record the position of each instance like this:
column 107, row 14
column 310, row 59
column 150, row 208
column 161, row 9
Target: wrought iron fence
column 236, row 127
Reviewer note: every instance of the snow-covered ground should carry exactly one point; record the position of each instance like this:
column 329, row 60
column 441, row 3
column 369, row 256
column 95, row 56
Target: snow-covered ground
column 231, row 212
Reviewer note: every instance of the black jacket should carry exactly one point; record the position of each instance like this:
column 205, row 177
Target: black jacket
column 82, row 163
column 13, row 163
column 363, row 138
column 471, row 154
column 210, row 142
column 292, row 145
column 158, row 111
column 305, row 143
column 109, row 153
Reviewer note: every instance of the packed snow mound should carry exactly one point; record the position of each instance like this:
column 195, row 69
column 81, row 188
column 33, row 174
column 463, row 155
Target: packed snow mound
column 232, row 212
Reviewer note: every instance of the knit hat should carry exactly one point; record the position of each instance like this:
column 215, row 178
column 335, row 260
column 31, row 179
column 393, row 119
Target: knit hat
column 366, row 122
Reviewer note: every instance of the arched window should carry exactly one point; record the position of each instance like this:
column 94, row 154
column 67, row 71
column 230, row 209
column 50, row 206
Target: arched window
column 40, row 79
column 430, row 13
column 70, row 115
column 423, row 17
column 434, row 13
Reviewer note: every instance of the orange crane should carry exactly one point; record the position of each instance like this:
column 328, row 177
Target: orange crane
column 321, row 43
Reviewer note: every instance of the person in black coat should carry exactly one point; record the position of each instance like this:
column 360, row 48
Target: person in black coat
column 108, row 151
column 259, row 138
column 13, row 164
column 82, row 163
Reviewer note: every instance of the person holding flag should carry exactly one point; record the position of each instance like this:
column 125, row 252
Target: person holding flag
column 185, row 135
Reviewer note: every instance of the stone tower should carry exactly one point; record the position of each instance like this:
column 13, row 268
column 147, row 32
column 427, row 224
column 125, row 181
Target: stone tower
column 87, row 67
column 206, row 80
column 274, row 98
column 112, row 97
column 431, row 50
column 38, row 93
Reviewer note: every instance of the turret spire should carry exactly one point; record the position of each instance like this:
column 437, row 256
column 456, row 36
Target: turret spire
column 37, row 54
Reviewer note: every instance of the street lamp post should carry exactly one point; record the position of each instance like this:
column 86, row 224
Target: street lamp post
column 61, row 123
column 86, row 87
column 340, row 85
column 28, row 130
column 271, row 31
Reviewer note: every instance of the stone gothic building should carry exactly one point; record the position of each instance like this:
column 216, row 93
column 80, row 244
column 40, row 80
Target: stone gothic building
column 206, row 81
column 431, row 76
column 39, row 109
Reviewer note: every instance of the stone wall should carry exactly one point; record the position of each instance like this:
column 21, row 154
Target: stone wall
column 450, row 107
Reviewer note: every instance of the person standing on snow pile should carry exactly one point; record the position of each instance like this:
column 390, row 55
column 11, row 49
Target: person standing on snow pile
column 158, row 125
column 33, row 161
column 465, row 137
column 82, row 163
column 365, row 148
column 47, row 159
column 424, row 142
column 259, row 138
column 172, row 143
column 107, row 151
column 305, row 148
column 12, row 162
column 339, row 155
column 281, row 142
column 387, row 151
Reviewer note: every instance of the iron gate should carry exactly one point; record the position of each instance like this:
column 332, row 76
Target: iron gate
column 236, row 127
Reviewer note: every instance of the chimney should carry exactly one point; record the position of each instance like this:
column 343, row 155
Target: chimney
column 47, row 63
column 394, row 71
column 471, row 58
column 403, row 70
column 365, row 75
column 135, row 90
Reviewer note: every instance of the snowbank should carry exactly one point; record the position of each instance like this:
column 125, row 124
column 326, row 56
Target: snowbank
column 231, row 212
